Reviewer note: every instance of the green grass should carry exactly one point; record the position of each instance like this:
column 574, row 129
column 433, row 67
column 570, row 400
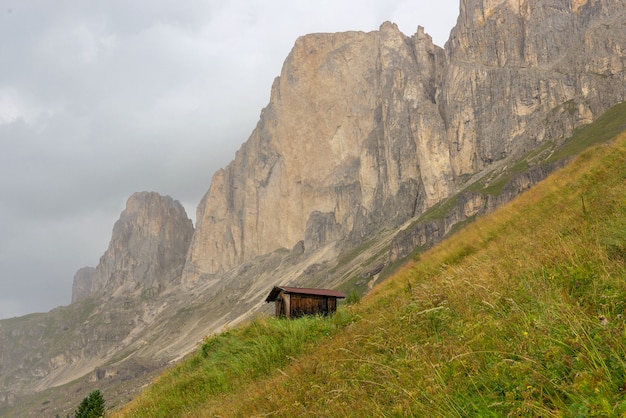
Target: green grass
column 521, row 313
column 233, row 358
column 439, row 210
column 346, row 256
column 610, row 124
column 494, row 182
column 355, row 288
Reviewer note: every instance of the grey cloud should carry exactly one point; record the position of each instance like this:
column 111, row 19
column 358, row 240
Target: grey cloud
column 101, row 99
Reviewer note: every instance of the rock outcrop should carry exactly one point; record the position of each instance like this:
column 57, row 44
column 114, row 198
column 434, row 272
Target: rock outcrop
column 466, row 205
column 114, row 306
column 367, row 130
column 352, row 136
column 521, row 72
column 146, row 253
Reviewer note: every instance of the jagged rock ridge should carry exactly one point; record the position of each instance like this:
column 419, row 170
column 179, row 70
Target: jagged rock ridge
column 146, row 252
column 363, row 132
column 366, row 130
column 337, row 148
column 112, row 304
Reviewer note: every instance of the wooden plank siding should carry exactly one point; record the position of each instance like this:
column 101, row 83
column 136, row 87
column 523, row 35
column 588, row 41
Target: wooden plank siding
column 312, row 305
column 293, row 302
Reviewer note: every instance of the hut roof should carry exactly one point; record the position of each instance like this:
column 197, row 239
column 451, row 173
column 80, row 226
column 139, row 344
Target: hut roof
column 303, row 291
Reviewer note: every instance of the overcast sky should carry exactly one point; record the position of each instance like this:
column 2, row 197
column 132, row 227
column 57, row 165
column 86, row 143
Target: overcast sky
column 103, row 98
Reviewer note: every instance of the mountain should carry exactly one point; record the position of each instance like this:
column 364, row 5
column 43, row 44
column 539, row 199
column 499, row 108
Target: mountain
column 520, row 313
column 367, row 130
column 146, row 252
column 111, row 304
column 372, row 144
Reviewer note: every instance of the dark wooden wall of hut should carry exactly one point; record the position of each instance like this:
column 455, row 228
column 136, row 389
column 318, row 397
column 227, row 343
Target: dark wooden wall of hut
column 280, row 307
column 312, row 305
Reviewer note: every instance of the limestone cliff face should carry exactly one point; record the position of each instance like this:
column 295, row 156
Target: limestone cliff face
column 520, row 72
column 146, row 253
column 366, row 130
column 351, row 141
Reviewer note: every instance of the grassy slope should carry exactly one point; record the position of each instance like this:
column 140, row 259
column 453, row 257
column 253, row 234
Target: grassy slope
column 521, row 313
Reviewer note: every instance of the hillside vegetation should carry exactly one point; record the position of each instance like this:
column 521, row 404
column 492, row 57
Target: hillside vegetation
column 519, row 314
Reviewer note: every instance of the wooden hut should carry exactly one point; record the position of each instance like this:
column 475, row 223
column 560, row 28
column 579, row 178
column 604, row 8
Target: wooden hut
column 293, row 302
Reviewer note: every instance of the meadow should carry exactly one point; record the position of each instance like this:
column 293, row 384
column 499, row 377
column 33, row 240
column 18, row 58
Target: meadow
column 520, row 313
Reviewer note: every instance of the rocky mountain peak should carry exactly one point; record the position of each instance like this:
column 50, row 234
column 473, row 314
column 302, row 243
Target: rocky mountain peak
column 362, row 134
column 365, row 130
column 339, row 150
column 147, row 249
column 521, row 72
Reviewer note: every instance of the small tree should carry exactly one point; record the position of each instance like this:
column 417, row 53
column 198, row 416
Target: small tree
column 91, row 407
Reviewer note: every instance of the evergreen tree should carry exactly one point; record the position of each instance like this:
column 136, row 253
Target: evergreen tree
column 91, row 407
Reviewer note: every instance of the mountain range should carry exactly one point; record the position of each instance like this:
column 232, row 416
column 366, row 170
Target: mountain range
column 373, row 145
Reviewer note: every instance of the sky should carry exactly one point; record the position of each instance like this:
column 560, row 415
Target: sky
column 100, row 99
